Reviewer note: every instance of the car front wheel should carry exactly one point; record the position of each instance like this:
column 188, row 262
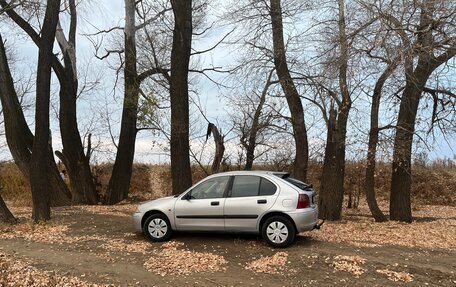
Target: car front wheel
column 278, row 231
column 157, row 228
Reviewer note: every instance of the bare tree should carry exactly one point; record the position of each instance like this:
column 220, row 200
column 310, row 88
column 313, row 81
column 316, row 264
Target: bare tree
column 18, row 135
column 72, row 155
column 119, row 182
column 77, row 165
column 291, row 94
column 39, row 161
column 380, row 47
column 257, row 18
column 432, row 44
column 154, row 62
column 332, row 180
column 180, row 56
column 255, row 118
column 149, row 65
column 249, row 138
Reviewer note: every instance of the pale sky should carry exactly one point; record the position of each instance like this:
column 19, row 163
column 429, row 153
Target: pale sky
column 105, row 14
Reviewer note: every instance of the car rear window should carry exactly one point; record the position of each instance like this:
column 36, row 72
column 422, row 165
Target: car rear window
column 267, row 187
column 247, row 185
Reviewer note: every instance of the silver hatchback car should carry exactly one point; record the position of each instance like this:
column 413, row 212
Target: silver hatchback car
column 268, row 203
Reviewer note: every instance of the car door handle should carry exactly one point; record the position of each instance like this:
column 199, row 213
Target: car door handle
column 262, row 201
column 215, row 203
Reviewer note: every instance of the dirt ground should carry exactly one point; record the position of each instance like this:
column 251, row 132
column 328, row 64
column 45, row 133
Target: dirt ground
column 97, row 246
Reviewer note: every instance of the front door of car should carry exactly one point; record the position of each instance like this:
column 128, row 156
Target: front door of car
column 202, row 207
column 250, row 196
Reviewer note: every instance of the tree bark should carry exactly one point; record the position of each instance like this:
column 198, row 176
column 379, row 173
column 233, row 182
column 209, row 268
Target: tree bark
column 5, row 214
column 39, row 162
column 331, row 195
column 400, row 197
column 291, row 93
column 249, row 156
column 219, row 146
column 332, row 180
column 416, row 78
column 119, row 182
column 20, row 138
column 76, row 163
column 18, row 135
column 369, row 186
column 180, row 57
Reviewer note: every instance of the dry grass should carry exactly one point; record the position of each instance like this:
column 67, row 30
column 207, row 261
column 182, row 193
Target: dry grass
column 433, row 184
column 15, row 187
column 140, row 185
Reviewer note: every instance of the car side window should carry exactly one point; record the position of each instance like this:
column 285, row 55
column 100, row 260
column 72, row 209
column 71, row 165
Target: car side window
column 267, row 187
column 245, row 185
column 211, row 188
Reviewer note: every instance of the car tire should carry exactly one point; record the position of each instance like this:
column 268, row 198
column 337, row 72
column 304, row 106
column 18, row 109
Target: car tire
column 278, row 231
column 157, row 227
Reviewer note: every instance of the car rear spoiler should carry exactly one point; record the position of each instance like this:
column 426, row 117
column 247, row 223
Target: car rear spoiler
column 282, row 174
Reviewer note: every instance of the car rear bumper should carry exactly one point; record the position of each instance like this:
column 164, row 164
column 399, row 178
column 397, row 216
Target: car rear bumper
column 137, row 221
column 304, row 219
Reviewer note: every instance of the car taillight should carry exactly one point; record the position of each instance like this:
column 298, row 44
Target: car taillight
column 303, row 201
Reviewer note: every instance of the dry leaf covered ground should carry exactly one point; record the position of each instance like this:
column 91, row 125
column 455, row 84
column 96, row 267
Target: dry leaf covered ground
column 96, row 246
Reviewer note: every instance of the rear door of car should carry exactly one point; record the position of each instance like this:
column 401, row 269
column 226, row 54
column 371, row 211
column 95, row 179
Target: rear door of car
column 201, row 209
column 249, row 197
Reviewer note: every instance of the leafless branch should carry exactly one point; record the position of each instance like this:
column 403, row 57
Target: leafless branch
column 213, row 47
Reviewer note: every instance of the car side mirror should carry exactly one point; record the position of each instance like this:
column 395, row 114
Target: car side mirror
column 187, row 196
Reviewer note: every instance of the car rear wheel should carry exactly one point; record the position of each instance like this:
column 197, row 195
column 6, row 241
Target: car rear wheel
column 157, row 228
column 278, row 231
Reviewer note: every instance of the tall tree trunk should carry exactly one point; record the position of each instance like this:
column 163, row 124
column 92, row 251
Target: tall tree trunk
column 180, row 57
column 119, row 182
column 18, row 135
column 291, row 93
column 331, row 195
column 249, row 156
column 20, row 138
column 416, row 78
column 332, row 180
column 401, row 180
column 39, row 162
column 76, row 163
column 369, row 186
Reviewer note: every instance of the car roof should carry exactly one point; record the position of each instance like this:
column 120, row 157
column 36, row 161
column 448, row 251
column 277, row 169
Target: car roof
column 281, row 174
